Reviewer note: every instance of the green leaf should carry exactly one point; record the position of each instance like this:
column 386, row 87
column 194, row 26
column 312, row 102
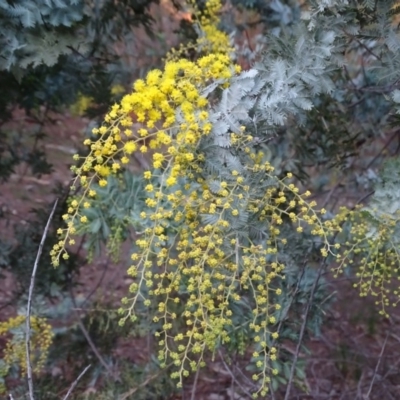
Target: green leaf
column 95, row 226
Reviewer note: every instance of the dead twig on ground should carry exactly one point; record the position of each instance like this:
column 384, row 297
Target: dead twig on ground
column 233, row 377
column 196, row 378
column 88, row 338
column 245, row 378
column 132, row 391
column 359, row 386
column 75, row 382
column 377, row 367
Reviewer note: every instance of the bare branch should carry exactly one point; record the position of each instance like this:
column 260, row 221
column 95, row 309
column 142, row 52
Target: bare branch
column 196, row 378
column 29, row 305
column 130, row 392
column 246, row 392
column 88, row 338
column 76, row 382
column 302, row 331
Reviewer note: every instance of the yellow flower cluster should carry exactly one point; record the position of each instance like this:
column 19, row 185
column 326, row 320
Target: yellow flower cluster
column 211, row 40
column 214, row 39
column 15, row 350
column 156, row 103
column 373, row 252
column 81, row 104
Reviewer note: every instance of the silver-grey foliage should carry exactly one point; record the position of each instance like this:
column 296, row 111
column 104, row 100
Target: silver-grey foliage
column 33, row 32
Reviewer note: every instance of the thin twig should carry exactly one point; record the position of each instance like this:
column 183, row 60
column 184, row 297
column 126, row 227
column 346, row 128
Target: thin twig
column 287, row 310
column 196, row 378
column 377, row 367
column 130, row 392
column 233, row 376
column 72, row 387
column 283, row 318
column 302, row 331
column 87, row 298
column 248, row 381
column 248, row 41
column 93, row 346
column 361, row 199
column 87, row 336
column 359, row 387
column 330, row 194
column 366, row 47
column 29, row 305
column 386, row 145
column 141, row 161
column 377, row 89
column 271, row 391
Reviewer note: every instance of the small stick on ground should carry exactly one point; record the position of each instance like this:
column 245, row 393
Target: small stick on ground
column 75, row 382
column 196, row 378
column 377, row 367
column 233, row 376
column 132, row 391
column 89, row 339
column 29, row 305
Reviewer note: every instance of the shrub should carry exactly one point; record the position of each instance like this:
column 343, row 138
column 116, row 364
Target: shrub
column 227, row 242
